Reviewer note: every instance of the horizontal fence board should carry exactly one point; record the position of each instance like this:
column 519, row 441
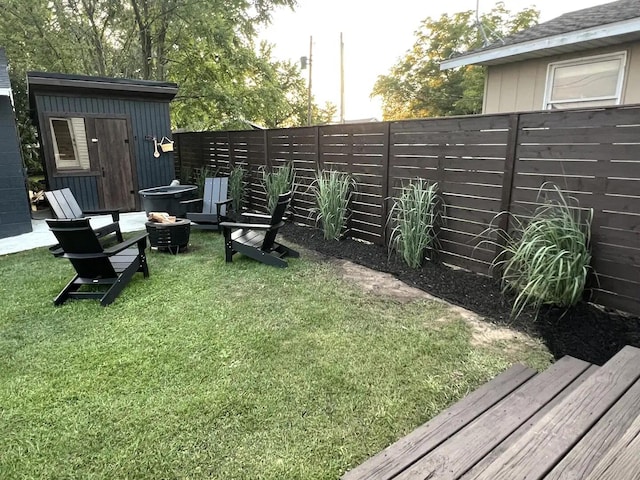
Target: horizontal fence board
column 599, row 116
column 452, row 124
column 613, row 300
column 469, row 138
column 618, row 237
column 620, row 221
column 567, row 134
column 460, row 176
column 623, row 271
column 472, row 264
column 621, row 287
column 585, row 152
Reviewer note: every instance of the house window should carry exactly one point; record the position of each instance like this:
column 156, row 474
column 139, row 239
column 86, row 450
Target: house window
column 585, row 82
column 69, row 143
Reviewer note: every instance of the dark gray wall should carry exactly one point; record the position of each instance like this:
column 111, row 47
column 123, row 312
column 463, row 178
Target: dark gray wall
column 148, row 117
column 15, row 217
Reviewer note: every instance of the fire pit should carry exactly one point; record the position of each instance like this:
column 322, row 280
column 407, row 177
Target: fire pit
column 171, row 237
column 168, row 199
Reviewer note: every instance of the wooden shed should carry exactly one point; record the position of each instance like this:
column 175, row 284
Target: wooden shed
column 15, row 217
column 98, row 136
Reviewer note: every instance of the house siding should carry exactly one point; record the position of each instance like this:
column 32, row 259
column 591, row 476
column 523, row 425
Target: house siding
column 519, row 86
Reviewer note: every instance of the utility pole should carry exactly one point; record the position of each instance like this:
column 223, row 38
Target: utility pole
column 341, row 79
column 310, row 67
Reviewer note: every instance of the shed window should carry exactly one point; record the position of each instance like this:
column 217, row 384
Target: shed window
column 70, row 143
column 585, row 82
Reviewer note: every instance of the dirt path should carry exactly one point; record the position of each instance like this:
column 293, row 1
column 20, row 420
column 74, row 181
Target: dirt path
column 384, row 284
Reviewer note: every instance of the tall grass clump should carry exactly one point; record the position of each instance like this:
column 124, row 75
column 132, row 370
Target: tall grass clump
column 276, row 182
column 415, row 214
column 199, row 176
column 546, row 261
column 236, row 187
column 333, row 192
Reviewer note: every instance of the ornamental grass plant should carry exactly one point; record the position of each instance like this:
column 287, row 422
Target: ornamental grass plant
column 333, row 191
column 546, row 260
column 277, row 181
column 236, row 187
column 414, row 215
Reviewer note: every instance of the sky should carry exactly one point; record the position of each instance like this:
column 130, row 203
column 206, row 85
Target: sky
column 376, row 34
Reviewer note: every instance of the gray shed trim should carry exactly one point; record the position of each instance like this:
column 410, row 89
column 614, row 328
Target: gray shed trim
column 602, row 25
column 86, row 84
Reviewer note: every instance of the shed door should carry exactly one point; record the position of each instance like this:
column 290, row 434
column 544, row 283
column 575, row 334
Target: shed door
column 114, row 157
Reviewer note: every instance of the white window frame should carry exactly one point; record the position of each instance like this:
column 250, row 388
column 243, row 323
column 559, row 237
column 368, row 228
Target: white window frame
column 615, row 99
column 79, row 163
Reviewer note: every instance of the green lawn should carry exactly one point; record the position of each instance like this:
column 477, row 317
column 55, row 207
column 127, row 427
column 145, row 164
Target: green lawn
column 209, row 370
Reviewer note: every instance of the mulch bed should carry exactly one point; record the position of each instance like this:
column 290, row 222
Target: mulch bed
column 586, row 331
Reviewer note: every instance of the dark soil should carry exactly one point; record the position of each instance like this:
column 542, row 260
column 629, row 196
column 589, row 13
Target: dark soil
column 586, row 331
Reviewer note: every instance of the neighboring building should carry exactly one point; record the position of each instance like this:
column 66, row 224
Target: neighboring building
column 589, row 57
column 98, row 136
column 15, row 216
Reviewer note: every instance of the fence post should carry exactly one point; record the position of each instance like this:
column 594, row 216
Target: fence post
column 177, row 158
column 507, row 186
column 319, row 160
column 386, row 182
column 267, row 153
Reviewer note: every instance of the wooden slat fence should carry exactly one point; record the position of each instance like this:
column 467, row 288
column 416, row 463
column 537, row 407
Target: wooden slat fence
column 484, row 165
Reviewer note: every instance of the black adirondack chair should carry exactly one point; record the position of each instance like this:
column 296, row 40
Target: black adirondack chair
column 104, row 271
column 258, row 240
column 214, row 204
column 65, row 207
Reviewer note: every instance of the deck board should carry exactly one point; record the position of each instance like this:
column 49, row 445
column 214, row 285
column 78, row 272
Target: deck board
column 458, row 454
column 544, row 445
column 507, row 442
column 621, row 461
column 583, row 458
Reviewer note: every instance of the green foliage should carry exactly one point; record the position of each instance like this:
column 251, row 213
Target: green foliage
column 546, row 261
column 26, row 130
column 277, row 181
column 416, row 87
column 211, row 371
column 200, row 176
column 415, row 215
column 236, row 187
column 207, row 47
column 333, row 191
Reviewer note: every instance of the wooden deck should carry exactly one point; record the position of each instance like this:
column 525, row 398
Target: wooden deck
column 572, row 421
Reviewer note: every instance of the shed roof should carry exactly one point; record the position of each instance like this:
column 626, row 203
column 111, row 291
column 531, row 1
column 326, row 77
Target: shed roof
column 83, row 85
column 5, row 83
column 602, row 25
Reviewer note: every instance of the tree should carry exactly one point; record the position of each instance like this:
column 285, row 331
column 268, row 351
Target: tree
column 415, row 87
column 206, row 46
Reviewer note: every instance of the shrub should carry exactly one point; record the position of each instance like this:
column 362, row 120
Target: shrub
column 276, row 182
column 236, row 187
column 546, row 260
column 415, row 214
column 333, row 192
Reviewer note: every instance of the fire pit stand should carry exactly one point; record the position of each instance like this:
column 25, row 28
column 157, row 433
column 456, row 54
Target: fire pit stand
column 171, row 237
